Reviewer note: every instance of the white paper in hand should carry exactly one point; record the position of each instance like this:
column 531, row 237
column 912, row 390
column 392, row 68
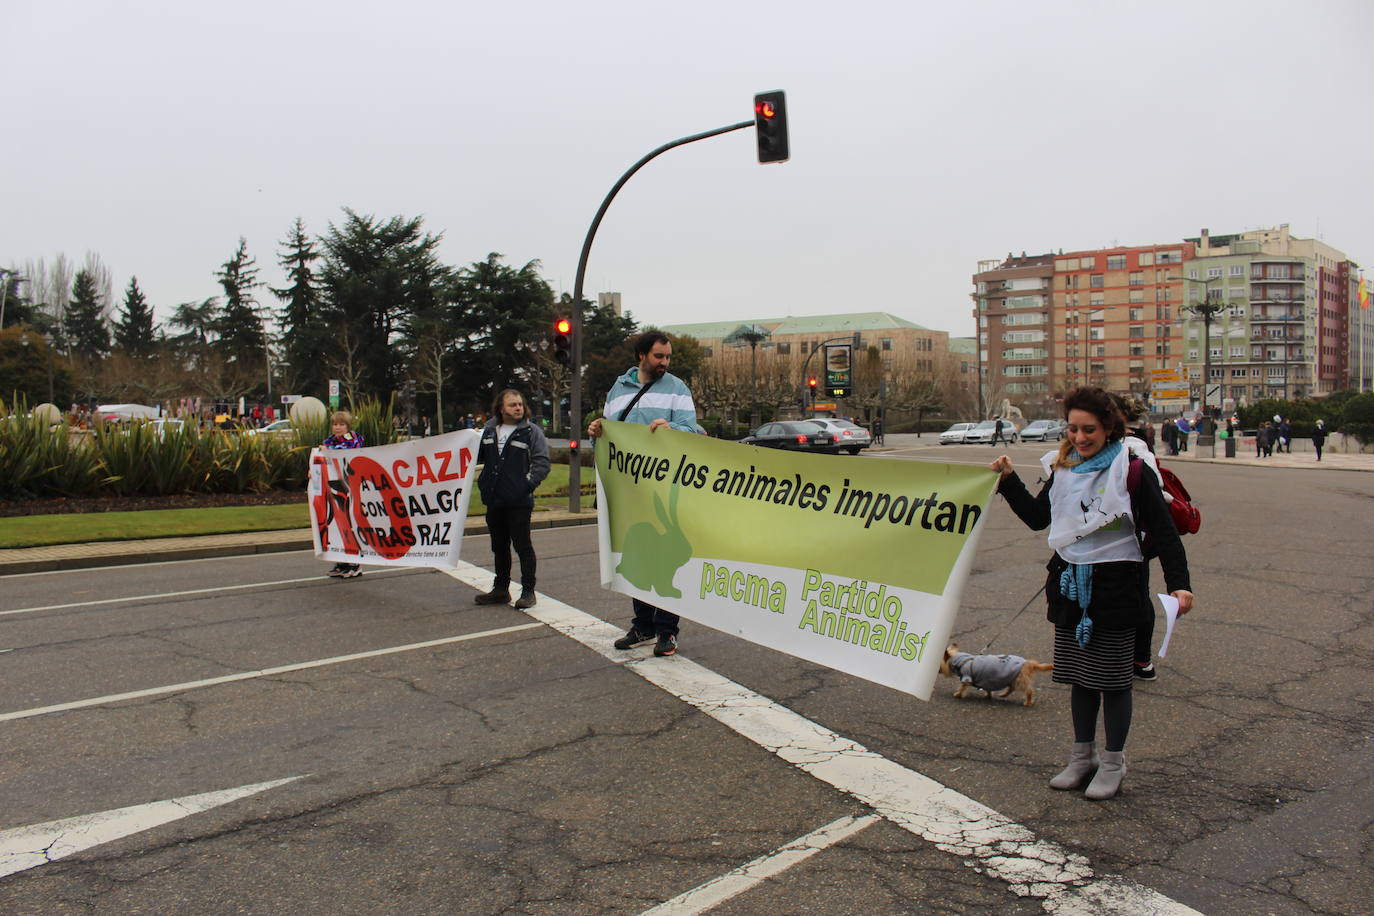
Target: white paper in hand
column 1170, row 604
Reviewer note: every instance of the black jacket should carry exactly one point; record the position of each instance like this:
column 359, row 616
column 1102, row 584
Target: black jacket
column 510, row 477
column 1121, row 591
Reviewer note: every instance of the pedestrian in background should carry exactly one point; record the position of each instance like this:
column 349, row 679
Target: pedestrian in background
column 996, row 432
column 341, row 435
column 515, row 460
column 648, row 393
column 1098, row 587
column 1285, row 436
column 1319, row 438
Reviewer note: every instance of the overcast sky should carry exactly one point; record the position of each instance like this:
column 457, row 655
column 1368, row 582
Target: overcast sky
column 925, row 136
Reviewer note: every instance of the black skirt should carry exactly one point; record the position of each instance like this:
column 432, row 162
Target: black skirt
column 1106, row 663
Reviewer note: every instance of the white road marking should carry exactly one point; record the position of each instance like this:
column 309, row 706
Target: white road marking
column 993, row 844
column 181, row 594
column 39, row 844
column 249, row 675
column 731, row 884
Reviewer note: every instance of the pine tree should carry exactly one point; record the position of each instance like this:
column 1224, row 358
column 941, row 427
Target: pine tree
column 134, row 331
column 303, row 329
column 241, row 335
column 87, row 333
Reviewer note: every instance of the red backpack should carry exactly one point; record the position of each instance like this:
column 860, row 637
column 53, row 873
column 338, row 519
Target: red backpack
column 1187, row 518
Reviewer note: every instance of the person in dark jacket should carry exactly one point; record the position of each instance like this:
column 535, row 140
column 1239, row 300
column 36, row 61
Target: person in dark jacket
column 1319, row 438
column 515, row 459
column 1098, row 583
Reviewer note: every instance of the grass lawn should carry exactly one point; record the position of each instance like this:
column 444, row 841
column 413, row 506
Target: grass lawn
column 81, row 528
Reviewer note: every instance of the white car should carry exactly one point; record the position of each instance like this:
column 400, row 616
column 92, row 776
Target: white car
column 955, row 434
column 280, row 427
column 983, row 432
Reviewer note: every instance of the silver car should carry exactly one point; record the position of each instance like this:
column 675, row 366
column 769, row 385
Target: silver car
column 1043, row 431
column 983, row 433
column 852, row 437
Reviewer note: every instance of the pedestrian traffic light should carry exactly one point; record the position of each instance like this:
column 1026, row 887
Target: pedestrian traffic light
column 770, row 126
column 562, row 341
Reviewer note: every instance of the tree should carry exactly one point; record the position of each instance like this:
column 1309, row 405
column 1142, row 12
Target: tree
column 17, row 309
column 134, row 331
column 28, row 365
column 241, row 336
column 502, row 316
column 374, row 277
column 198, row 323
column 304, row 330
column 87, row 333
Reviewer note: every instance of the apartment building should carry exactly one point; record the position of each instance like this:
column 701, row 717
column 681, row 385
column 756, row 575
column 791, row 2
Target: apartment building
column 1105, row 317
column 1285, row 309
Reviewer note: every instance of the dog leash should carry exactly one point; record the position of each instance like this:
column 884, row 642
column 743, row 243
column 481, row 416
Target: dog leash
column 1013, row 618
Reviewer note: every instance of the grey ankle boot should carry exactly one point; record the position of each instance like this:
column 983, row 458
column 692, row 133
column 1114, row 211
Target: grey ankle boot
column 1109, row 775
column 1082, row 762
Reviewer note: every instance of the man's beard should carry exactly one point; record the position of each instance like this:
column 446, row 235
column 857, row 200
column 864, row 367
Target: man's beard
column 657, row 372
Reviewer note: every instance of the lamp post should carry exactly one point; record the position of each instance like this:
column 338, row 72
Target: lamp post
column 4, row 294
column 1207, row 311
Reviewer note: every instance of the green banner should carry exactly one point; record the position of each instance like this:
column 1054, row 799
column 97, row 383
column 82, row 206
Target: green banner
column 858, row 563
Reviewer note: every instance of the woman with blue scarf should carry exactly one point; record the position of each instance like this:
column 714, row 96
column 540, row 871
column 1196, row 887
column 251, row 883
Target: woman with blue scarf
column 1098, row 585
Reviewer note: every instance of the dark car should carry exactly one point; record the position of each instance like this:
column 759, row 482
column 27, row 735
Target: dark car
column 794, row 437
column 852, row 436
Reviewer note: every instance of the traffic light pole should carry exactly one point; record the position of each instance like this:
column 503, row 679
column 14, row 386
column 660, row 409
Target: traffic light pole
column 575, row 394
column 849, row 337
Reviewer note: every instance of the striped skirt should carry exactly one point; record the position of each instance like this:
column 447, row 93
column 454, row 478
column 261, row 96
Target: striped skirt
column 1106, row 663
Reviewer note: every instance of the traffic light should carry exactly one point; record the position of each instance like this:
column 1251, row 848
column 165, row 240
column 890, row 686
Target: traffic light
column 811, row 384
column 562, row 341
column 770, row 125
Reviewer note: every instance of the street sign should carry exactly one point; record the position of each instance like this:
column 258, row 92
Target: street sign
column 1170, row 393
column 333, row 394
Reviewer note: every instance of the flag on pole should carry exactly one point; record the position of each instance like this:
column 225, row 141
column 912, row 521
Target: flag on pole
column 1364, row 293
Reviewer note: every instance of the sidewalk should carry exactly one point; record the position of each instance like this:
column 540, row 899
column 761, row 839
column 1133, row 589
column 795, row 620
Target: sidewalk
column 156, row 550
column 1331, row 461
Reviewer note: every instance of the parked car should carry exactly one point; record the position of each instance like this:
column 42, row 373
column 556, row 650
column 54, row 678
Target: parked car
column 955, row 434
column 853, row 437
column 1043, row 431
column 985, row 430
column 795, row 436
column 276, row 427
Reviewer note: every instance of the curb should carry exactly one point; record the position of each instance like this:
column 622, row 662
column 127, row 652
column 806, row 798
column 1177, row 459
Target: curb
column 18, row 561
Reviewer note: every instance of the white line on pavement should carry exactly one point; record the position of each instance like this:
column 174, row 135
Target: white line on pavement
column 39, row 844
column 181, row 594
column 733, row 883
column 994, row 845
column 249, row 675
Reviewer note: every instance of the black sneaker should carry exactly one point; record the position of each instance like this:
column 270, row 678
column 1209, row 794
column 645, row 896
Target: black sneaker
column 495, row 596
column 666, row 645
column 336, row 571
column 352, row 571
column 632, row 638
column 527, row 599
column 1146, row 672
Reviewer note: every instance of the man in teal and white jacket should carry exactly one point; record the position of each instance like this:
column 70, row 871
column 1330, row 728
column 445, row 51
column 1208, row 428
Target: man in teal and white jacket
column 651, row 395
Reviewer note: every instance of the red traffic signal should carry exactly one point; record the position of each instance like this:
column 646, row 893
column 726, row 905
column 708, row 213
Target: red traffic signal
column 811, row 383
column 770, row 126
column 562, row 341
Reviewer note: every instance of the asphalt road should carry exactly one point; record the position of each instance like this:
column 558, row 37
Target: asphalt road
column 517, row 767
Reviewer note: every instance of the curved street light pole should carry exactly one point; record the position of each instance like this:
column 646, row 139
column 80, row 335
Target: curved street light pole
column 575, row 391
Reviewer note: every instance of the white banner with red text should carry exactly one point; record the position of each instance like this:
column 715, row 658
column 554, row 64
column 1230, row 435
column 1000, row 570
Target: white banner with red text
column 393, row 505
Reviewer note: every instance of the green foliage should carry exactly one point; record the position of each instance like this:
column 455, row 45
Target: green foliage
column 303, row 327
column 500, row 316
column 241, row 335
column 1357, row 418
column 26, row 358
column 85, row 321
column 37, row 460
column 133, row 332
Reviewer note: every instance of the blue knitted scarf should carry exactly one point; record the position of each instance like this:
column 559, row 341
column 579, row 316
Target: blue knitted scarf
column 1076, row 581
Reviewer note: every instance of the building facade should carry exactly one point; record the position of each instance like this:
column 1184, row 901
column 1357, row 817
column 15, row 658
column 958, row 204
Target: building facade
column 1246, row 316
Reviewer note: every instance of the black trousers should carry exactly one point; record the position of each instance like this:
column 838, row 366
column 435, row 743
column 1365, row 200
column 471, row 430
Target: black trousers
column 650, row 619
column 510, row 526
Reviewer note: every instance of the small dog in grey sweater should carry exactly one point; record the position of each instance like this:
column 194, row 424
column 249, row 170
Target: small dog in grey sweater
column 990, row 673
